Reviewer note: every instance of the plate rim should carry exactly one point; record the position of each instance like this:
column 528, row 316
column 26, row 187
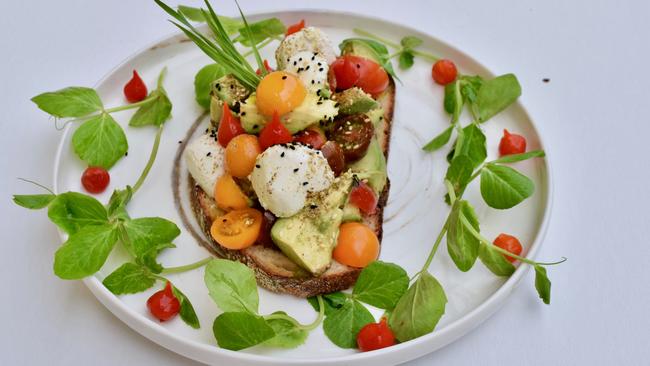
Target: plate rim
column 404, row 351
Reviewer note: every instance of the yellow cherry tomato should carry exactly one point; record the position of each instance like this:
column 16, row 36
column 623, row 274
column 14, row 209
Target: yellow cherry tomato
column 228, row 195
column 237, row 229
column 241, row 153
column 357, row 245
column 279, row 92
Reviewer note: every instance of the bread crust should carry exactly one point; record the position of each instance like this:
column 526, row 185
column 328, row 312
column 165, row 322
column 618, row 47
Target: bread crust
column 273, row 270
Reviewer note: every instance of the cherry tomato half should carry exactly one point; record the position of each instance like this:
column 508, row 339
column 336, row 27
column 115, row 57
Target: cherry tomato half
column 364, row 198
column 312, row 136
column 357, row 245
column 512, row 144
column 335, row 157
column 444, row 72
column 229, row 127
column 274, row 133
column 373, row 79
column 95, row 179
column 346, row 72
column 228, row 194
column 509, row 243
column 375, row 336
column 279, row 92
column 353, row 133
column 295, row 27
column 163, row 304
column 237, row 229
column 135, row 90
column 241, row 153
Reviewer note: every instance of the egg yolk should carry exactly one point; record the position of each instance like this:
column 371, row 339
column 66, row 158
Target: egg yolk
column 279, row 92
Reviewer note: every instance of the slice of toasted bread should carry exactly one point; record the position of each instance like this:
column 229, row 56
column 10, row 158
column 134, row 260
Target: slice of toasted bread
column 273, row 270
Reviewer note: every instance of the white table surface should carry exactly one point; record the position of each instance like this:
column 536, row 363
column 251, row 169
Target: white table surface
column 594, row 115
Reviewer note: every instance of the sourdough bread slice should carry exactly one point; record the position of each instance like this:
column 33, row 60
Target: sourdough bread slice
column 273, row 270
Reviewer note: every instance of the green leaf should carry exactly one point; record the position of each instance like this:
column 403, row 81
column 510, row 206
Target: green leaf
column 459, row 173
column 419, row 310
column 287, row 333
column 261, row 30
column 33, row 201
column 496, row 95
column 520, row 157
column 85, row 252
column 342, row 325
column 471, row 142
column 186, row 312
column 462, row 245
column 148, row 258
column 232, row 285
column 239, row 330
column 119, row 199
column 155, row 112
column 129, row 278
column 453, row 101
column 495, row 261
column 381, row 284
column 542, row 284
column 405, row 60
column 100, row 141
column 410, row 42
column 332, row 301
column 503, row 187
column 439, row 141
column 470, row 86
column 74, row 101
column 147, row 233
column 203, row 82
column 73, row 211
column 380, row 52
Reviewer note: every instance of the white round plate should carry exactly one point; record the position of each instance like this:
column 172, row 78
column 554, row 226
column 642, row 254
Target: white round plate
column 413, row 217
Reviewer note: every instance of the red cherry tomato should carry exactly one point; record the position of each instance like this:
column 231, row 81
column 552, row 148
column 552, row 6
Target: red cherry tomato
column 274, row 133
column 364, row 198
column 444, row 72
column 375, row 336
column 264, row 237
column 135, row 90
column 95, row 179
column 312, row 136
column 346, row 72
column 229, row 126
column 335, row 156
column 512, row 144
column 509, row 243
column 295, row 27
column 163, row 304
column 266, row 66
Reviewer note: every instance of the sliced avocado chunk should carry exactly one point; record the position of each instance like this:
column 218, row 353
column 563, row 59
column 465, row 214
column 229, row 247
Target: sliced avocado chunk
column 355, row 100
column 372, row 167
column 365, row 48
column 351, row 213
column 377, row 118
column 309, row 236
column 228, row 89
column 313, row 109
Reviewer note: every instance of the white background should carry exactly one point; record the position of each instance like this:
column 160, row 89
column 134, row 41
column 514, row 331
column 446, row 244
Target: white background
column 593, row 114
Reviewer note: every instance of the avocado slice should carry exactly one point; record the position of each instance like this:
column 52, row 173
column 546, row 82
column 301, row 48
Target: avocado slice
column 365, row 48
column 225, row 89
column 351, row 213
column 372, row 167
column 309, row 236
column 355, row 100
column 313, row 109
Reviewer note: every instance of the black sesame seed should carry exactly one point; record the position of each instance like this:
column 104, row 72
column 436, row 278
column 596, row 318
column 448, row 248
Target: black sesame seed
column 295, row 170
column 318, row 92
column 243, row 114
column 546, row 80
column 284, row 77
column 288, row 59
column 313, row 81
column 206, row 130
column 305, row 183
column 224, row 220
column 232, row 86
column 312, row 206
column 321, row 69
column 255, row 127
column 180, row 142
column 295, row 63
column 282, row 155
column 126, row 153
column 208, row 154
column 300, row 59
column 319, row 103
column 307, row 68
column 257, row 166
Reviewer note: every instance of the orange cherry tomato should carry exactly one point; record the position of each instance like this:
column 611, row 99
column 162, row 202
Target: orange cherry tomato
column 228, row 195
column 229, row 126
column 509, row 243
column 295, row 27
column 444, row 72
column 357, row 245
column 274, row 133
column 237, row 229
column 241, row 153
column 512, row 143
column 279, row 92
